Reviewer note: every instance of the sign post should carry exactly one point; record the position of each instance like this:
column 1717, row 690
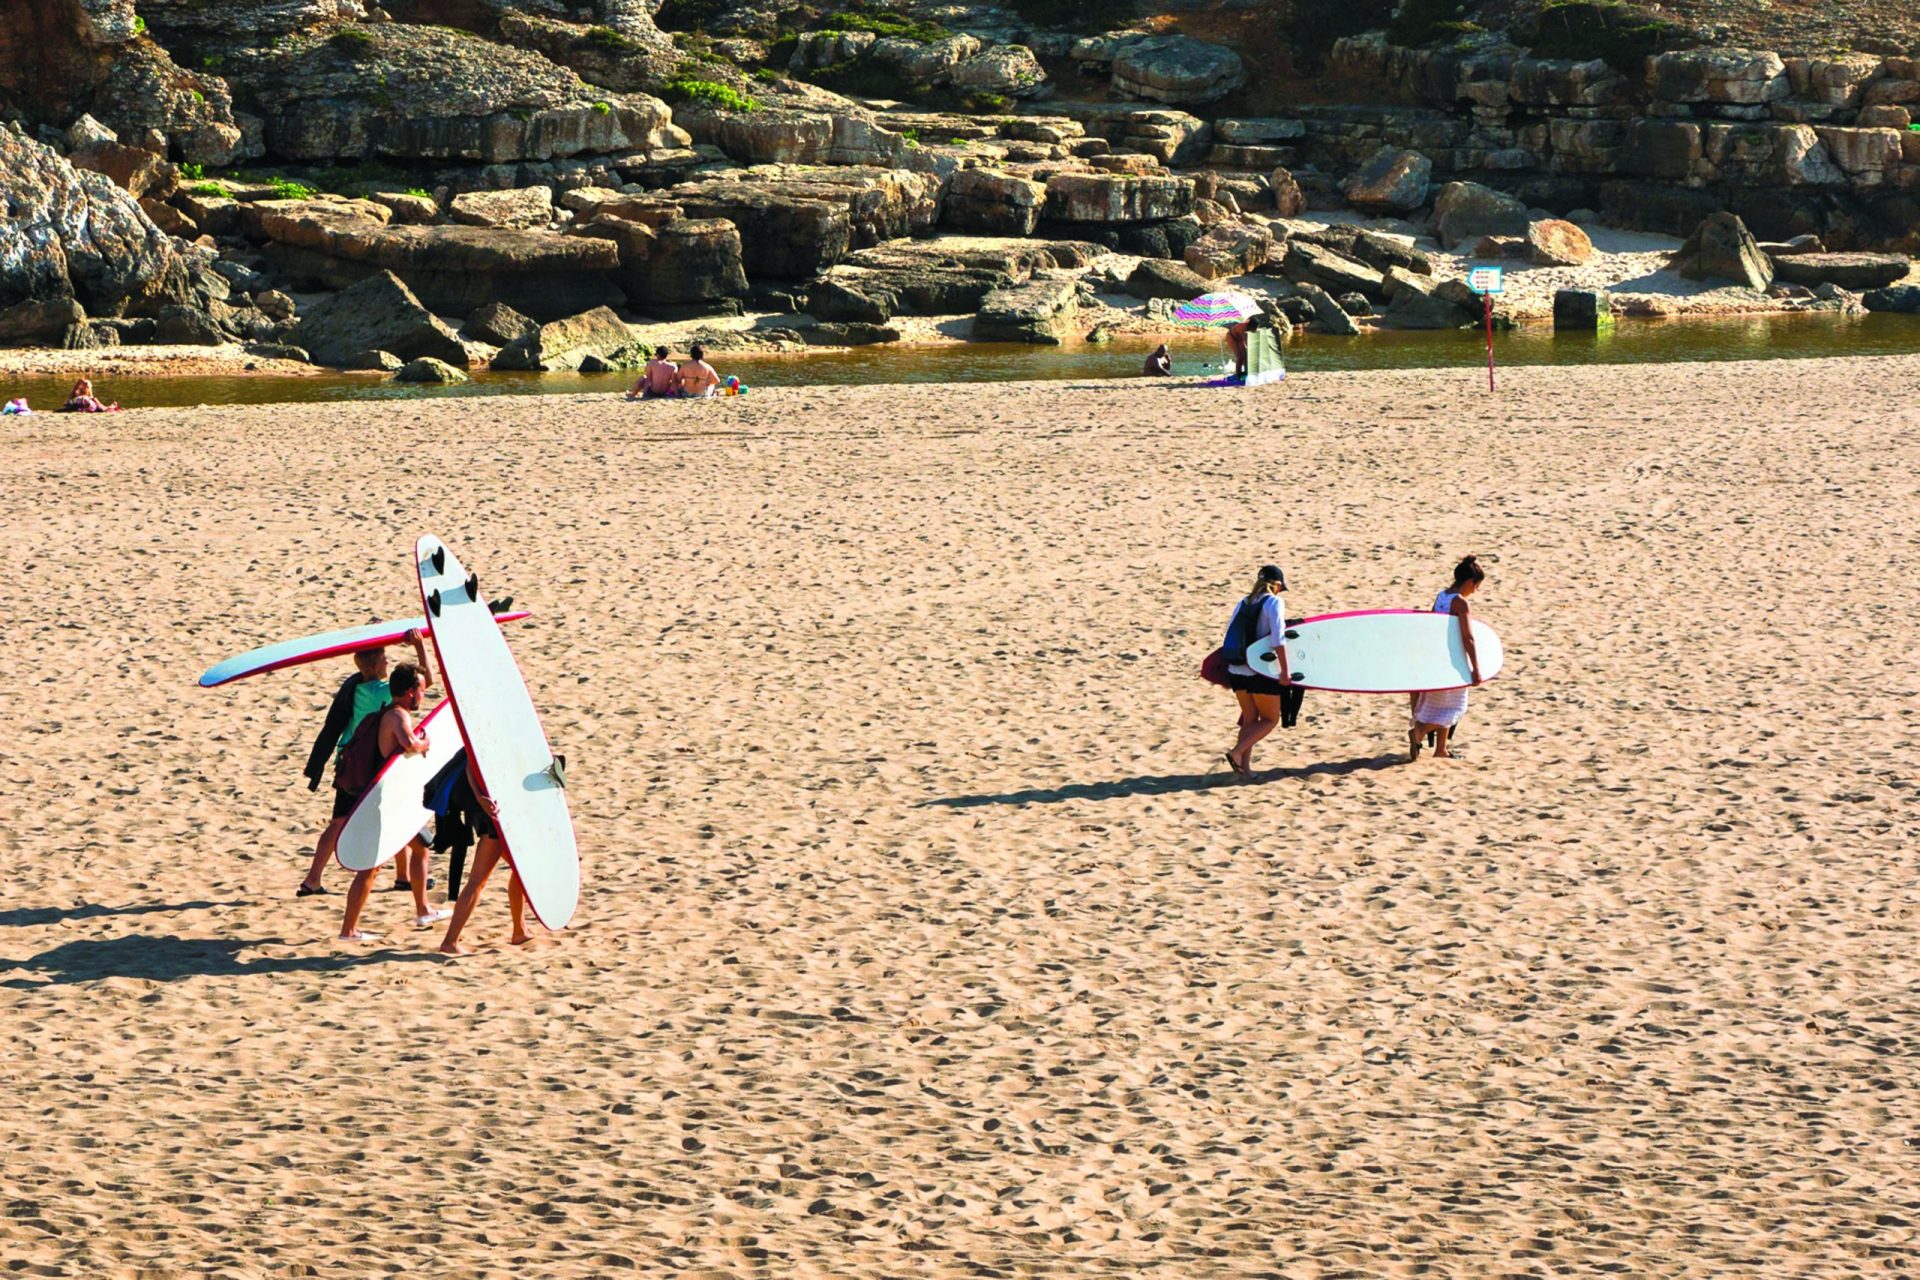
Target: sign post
column 1486, row 282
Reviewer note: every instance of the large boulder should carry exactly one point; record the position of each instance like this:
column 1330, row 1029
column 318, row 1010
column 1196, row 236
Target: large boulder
column 332, row 244
column 1382, row 252
column 684, row 266
column 994, row 202
column 377, row 314
column 1328, row 315
column 1736, row 76
column 61, row 57
column 923, row 64
column 1858, row 272
column 1040, row 311
column 429, row 370
column 498, row 324
column 1418, row 303
column 1288, row 200
column 73, row 235
column 563, row 344
column 1553, row 243
column 1721, row 247
column 135, row 170
column 1465, row 211
column 519, row 208
column 1009, row 69
column 1117, row 197
column 1308, row 263
column 1393, row 181
column 433, row 93
column 1177, row 69
column 1156, row 278
column 1582, row 310
column 1904, row 298
column 40, row 320
column 1228, row 249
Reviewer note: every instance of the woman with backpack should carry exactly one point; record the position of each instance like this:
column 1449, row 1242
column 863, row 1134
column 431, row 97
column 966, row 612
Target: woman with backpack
column 1258, row 627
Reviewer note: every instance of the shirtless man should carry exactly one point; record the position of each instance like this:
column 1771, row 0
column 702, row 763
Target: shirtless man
column 397, row 736
column 365, row 693
column 660, row 380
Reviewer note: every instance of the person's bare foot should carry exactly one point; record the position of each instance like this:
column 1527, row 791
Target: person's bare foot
column 521, row 939
column 454, row 949
column 1441, row 753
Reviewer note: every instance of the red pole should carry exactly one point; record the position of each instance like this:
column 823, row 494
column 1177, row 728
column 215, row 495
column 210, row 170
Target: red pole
column 1489, row 301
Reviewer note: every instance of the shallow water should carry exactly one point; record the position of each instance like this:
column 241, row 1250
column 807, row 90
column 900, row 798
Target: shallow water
column 1764, row 337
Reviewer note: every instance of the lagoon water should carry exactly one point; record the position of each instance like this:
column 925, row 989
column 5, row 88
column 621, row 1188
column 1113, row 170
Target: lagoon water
column 1760, row 337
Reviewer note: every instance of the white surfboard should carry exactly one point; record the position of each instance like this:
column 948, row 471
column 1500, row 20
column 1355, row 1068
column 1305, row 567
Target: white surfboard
column 1384, row 651
column 508, row 748
column 391, row 813
column 326, row 644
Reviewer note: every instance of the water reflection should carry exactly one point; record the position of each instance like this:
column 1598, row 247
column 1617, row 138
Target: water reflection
column 1629, row 342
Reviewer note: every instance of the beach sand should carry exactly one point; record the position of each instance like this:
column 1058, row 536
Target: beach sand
column 923, row 931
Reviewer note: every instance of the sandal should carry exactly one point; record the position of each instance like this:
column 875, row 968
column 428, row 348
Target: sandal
column 312, row 891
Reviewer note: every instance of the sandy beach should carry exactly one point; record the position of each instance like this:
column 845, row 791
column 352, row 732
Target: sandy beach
column 923, row 931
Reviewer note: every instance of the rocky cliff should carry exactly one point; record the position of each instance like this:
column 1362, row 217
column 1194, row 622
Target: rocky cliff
column 701, row 155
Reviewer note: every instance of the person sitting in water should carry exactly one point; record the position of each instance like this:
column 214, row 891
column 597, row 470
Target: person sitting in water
column 697, row 378
column 660, row 380
column 1159, row 364
column 82, row 400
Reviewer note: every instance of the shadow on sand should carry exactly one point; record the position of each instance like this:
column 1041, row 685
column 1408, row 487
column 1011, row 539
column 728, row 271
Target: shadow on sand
column 21, row 917
column 1162, row 784
column 166, row 959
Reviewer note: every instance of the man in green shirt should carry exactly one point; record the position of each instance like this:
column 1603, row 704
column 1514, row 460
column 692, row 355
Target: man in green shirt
column 363, row 695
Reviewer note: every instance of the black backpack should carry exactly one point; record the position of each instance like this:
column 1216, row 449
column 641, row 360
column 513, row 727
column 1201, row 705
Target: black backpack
column 1246, row 629
column 361, row 762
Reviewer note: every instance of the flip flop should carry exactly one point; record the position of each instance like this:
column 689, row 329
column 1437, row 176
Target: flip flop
column 1234, row 765
column 312, row 891
column 361, row 935
column 432, row 918
column 400, row 886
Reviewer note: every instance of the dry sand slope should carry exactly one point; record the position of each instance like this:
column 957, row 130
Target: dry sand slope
column 922, row 934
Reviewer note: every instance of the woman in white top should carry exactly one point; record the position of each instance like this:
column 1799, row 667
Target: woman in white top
column 1438, row 711
column 1257, row 627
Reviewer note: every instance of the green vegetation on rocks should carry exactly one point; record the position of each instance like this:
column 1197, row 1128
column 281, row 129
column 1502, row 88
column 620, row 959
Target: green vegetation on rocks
column 1423, row 22
column 1622, row 34
column 885, row 24
column 613, row 41
column 686, row 87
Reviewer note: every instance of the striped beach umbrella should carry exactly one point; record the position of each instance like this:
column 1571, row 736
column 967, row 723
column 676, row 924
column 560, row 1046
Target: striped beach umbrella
column 1225, row 307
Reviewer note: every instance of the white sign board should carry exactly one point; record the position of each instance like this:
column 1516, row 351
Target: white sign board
column 1484, row 280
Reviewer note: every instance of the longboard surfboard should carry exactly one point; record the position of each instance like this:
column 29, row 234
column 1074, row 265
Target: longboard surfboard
column 314, row 648
column 507, row 747
column 391, row 812
column 1383, row 651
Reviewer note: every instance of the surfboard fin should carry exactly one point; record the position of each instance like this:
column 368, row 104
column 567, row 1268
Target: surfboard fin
column 557, row 771
column 501, row 605
column 473, row 586
column 439, row 559
column 433, row 602
column 1293, row 635
column 1297, row 676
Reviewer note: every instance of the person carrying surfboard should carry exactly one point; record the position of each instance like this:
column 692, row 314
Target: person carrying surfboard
column 1439, row 710
column 471, row 806
column 1258, row 626
column 365, row 693
column 373, row 744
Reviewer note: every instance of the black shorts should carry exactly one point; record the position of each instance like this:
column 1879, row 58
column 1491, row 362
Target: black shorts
column 467, row 809
column 1254, row 684
column 343, row 804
